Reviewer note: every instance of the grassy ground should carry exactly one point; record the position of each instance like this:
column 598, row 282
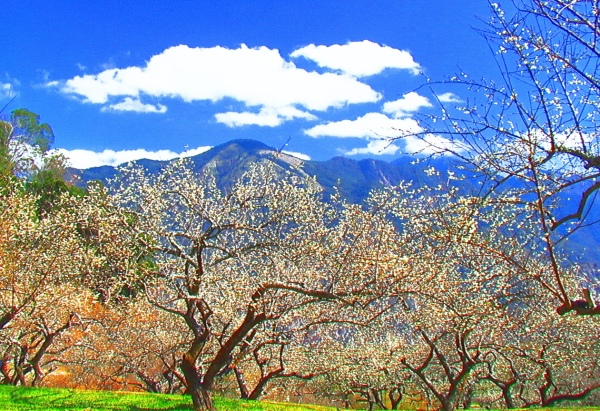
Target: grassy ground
column 51, row 399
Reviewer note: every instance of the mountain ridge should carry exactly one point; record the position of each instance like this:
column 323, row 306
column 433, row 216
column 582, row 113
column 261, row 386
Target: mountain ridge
column 354, row 179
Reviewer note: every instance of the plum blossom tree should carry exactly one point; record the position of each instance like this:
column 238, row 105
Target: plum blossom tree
column 546, row 361
column 227, row 265
column 532, row 133
column 130, row 344
column 468, row 278
column 40, row 264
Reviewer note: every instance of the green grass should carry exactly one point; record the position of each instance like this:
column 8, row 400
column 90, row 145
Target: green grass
column 54, row 399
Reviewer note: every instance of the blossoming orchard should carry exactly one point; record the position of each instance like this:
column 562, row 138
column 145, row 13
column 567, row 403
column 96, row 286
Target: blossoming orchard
column 446, row 296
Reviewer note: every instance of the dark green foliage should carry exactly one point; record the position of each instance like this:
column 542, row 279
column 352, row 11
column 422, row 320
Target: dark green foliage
column 24, row 143
column 22, row 138
column 36, row 134
column 48, row 185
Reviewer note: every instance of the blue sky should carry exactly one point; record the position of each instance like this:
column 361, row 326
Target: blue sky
column 120, row 80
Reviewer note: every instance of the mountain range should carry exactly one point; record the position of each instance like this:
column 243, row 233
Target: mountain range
column 354, row 179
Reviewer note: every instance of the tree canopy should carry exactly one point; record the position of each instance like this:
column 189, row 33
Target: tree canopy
column 532, row 133
column 436, row 296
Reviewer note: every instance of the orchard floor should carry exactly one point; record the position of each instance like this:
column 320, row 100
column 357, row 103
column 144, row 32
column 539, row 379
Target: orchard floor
column 54, row 399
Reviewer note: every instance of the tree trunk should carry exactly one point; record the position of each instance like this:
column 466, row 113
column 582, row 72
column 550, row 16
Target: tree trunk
column 467, row 398
column 257, row 392
column 200, row 392
column 202, row 399
column 395, row 399
column 508, row 400
column 447, row 405
column 244, row 391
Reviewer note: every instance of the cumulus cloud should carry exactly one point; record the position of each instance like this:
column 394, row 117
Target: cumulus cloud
column 129, row 104
column 191, row 152
column 296, row 154
column 376, row 147
column 270, row 117
column 359, row 59
column 83, row 159
column 377, row 128
column 408, row 104
column 258, row 77
column 449, row 98
column 369, row 126
column 429, row 144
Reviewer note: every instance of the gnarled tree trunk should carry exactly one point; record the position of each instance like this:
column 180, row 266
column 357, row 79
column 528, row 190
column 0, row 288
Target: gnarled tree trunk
column 200, row 393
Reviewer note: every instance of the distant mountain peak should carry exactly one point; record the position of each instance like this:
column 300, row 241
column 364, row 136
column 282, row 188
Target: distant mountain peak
column 228, row 161
column 245, row 144
column 353, row 179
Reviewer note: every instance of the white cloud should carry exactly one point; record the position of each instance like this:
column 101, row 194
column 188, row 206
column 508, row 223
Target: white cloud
column 6, row 89
column 258, row 77
column 191, row 152
column 377, row 128
column 129, row 104
column 376, row 147
column 408, row 104
column 296, row 154
column 83, row 159
column 449, row 98
column 360, row 58
column 270, row 117
column 369, row 126
column 429, row 144
column 9, row 89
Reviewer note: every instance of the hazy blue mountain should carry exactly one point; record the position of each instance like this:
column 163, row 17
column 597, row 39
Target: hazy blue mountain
column 354, row 179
